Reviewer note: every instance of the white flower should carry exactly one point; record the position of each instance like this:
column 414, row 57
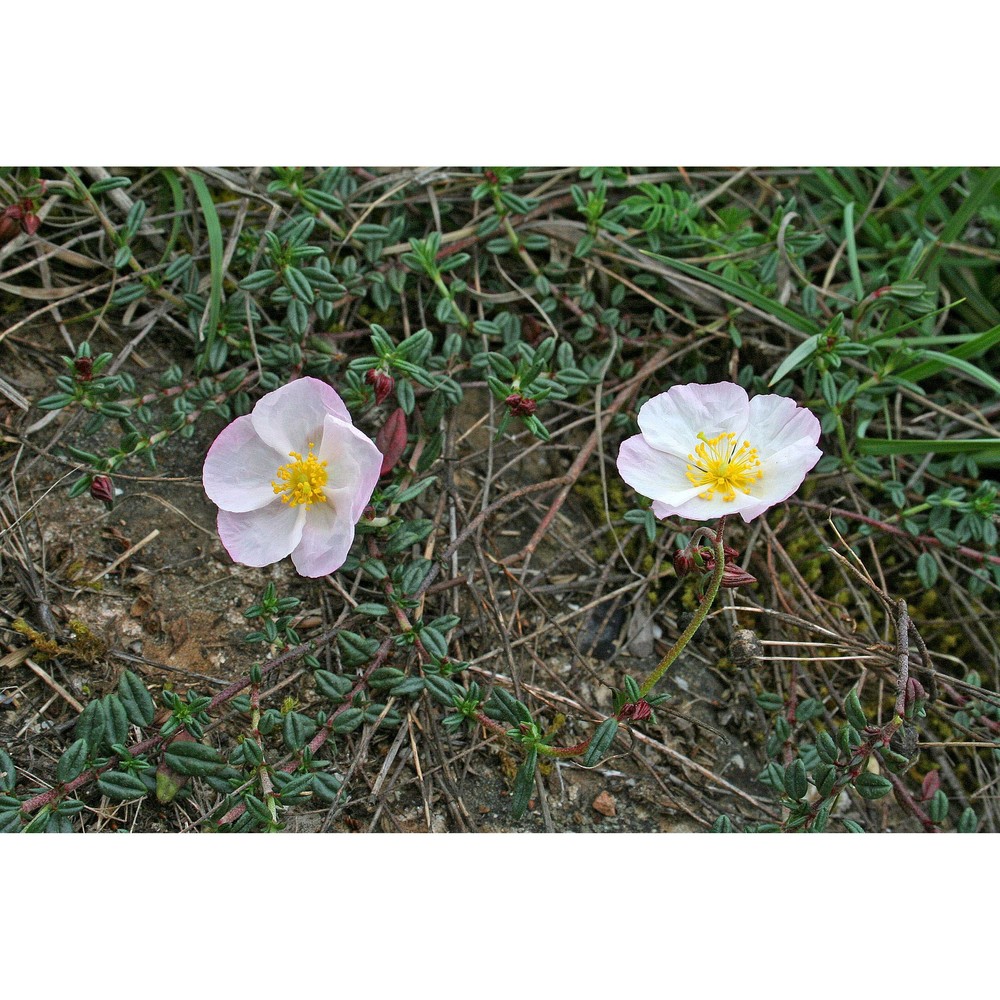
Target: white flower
column 292, row 478
column 709, row 450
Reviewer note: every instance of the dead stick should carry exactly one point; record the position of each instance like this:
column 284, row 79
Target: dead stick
column 583, row 457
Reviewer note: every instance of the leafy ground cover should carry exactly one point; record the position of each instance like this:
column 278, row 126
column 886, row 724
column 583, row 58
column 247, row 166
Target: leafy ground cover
column 495, row 330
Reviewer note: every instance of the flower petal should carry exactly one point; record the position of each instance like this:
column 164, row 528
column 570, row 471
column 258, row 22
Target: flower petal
column 353, row 464
column 291, row 417
column 783, row 475
column 264, row 536
column 777, row 422
column 671, row 421
column 699, row 509
column 654, row 473
column 326, row 537
column 239, row 468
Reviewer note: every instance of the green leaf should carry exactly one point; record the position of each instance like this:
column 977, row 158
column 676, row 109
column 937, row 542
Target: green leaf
column 372, row 608
column 259, row 279
column 600, row 742
column 410, row 686
column 827, row 748
column 136, row 699
column 72, row 762
column 333, row 686
column 109, row 184
column 937, row 808
column 116, row 720
column 872, row 786
column 825, row 777
column 326, row 786
column 503, row 705
column 296, row 730
column 927, row 569
column 356, row 649
column 434, row 642
column 215, row 253
column 8, row 773
column 91, row 724
column 348, row 720
column 796, row 783
column 524, row 784
column 10, row 821
column 298, row 284
column 968, row 821
column 443, row 689
column 798, row 357
column 193, row 759
column 855, row 713
column 121, row 785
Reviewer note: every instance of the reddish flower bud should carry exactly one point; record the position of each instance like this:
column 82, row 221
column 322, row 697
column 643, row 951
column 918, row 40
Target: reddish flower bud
column 684, row 562
column 708, row 555
column 391, row 440
column 31, row 222
column 101, row 488
column 519, row 406
column 635, row 711
column 9, row 228
column 84, row 369
column 381, row 382
column 736, row 576
column 914, row 693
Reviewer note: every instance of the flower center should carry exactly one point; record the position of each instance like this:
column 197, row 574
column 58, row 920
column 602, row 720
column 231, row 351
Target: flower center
column 722, row 464
column 301, row 481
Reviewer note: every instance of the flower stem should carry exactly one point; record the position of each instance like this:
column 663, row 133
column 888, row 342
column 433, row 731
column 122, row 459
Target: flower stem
column 700, row 615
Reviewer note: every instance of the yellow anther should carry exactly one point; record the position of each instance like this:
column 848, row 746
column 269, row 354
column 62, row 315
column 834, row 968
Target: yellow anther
column 301, row 481
column 722, row 464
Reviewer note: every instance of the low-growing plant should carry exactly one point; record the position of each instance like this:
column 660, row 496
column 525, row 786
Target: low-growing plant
column 464, row 352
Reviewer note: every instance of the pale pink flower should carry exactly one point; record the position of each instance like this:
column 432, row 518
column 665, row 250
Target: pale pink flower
column 292, row 478
column 709, row 450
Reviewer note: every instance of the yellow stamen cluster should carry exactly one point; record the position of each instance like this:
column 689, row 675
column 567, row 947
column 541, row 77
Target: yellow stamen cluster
column 723, row 465
column 301, row 481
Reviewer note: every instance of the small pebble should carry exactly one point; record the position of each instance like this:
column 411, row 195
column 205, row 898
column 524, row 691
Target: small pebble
column 604, row 804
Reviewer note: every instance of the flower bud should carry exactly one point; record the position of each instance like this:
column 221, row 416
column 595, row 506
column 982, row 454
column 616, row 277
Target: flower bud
column 101, row 488
column 381, row 382
column 684, row 562
column 914, row 692
column 84, row 367
column 736, row 576
column 391, row 440
column 635, row 711
column 519, row 406
column 9, row 227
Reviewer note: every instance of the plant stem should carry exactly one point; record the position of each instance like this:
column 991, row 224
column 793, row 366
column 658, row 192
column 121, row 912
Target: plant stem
column 699, row 616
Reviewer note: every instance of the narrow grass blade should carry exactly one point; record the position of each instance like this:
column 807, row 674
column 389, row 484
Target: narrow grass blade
column 985, row 450
column 852, row 252
column 215, row 251
column 970, row 349
column 740, row 292
column 965, row 367
column 177, row 195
